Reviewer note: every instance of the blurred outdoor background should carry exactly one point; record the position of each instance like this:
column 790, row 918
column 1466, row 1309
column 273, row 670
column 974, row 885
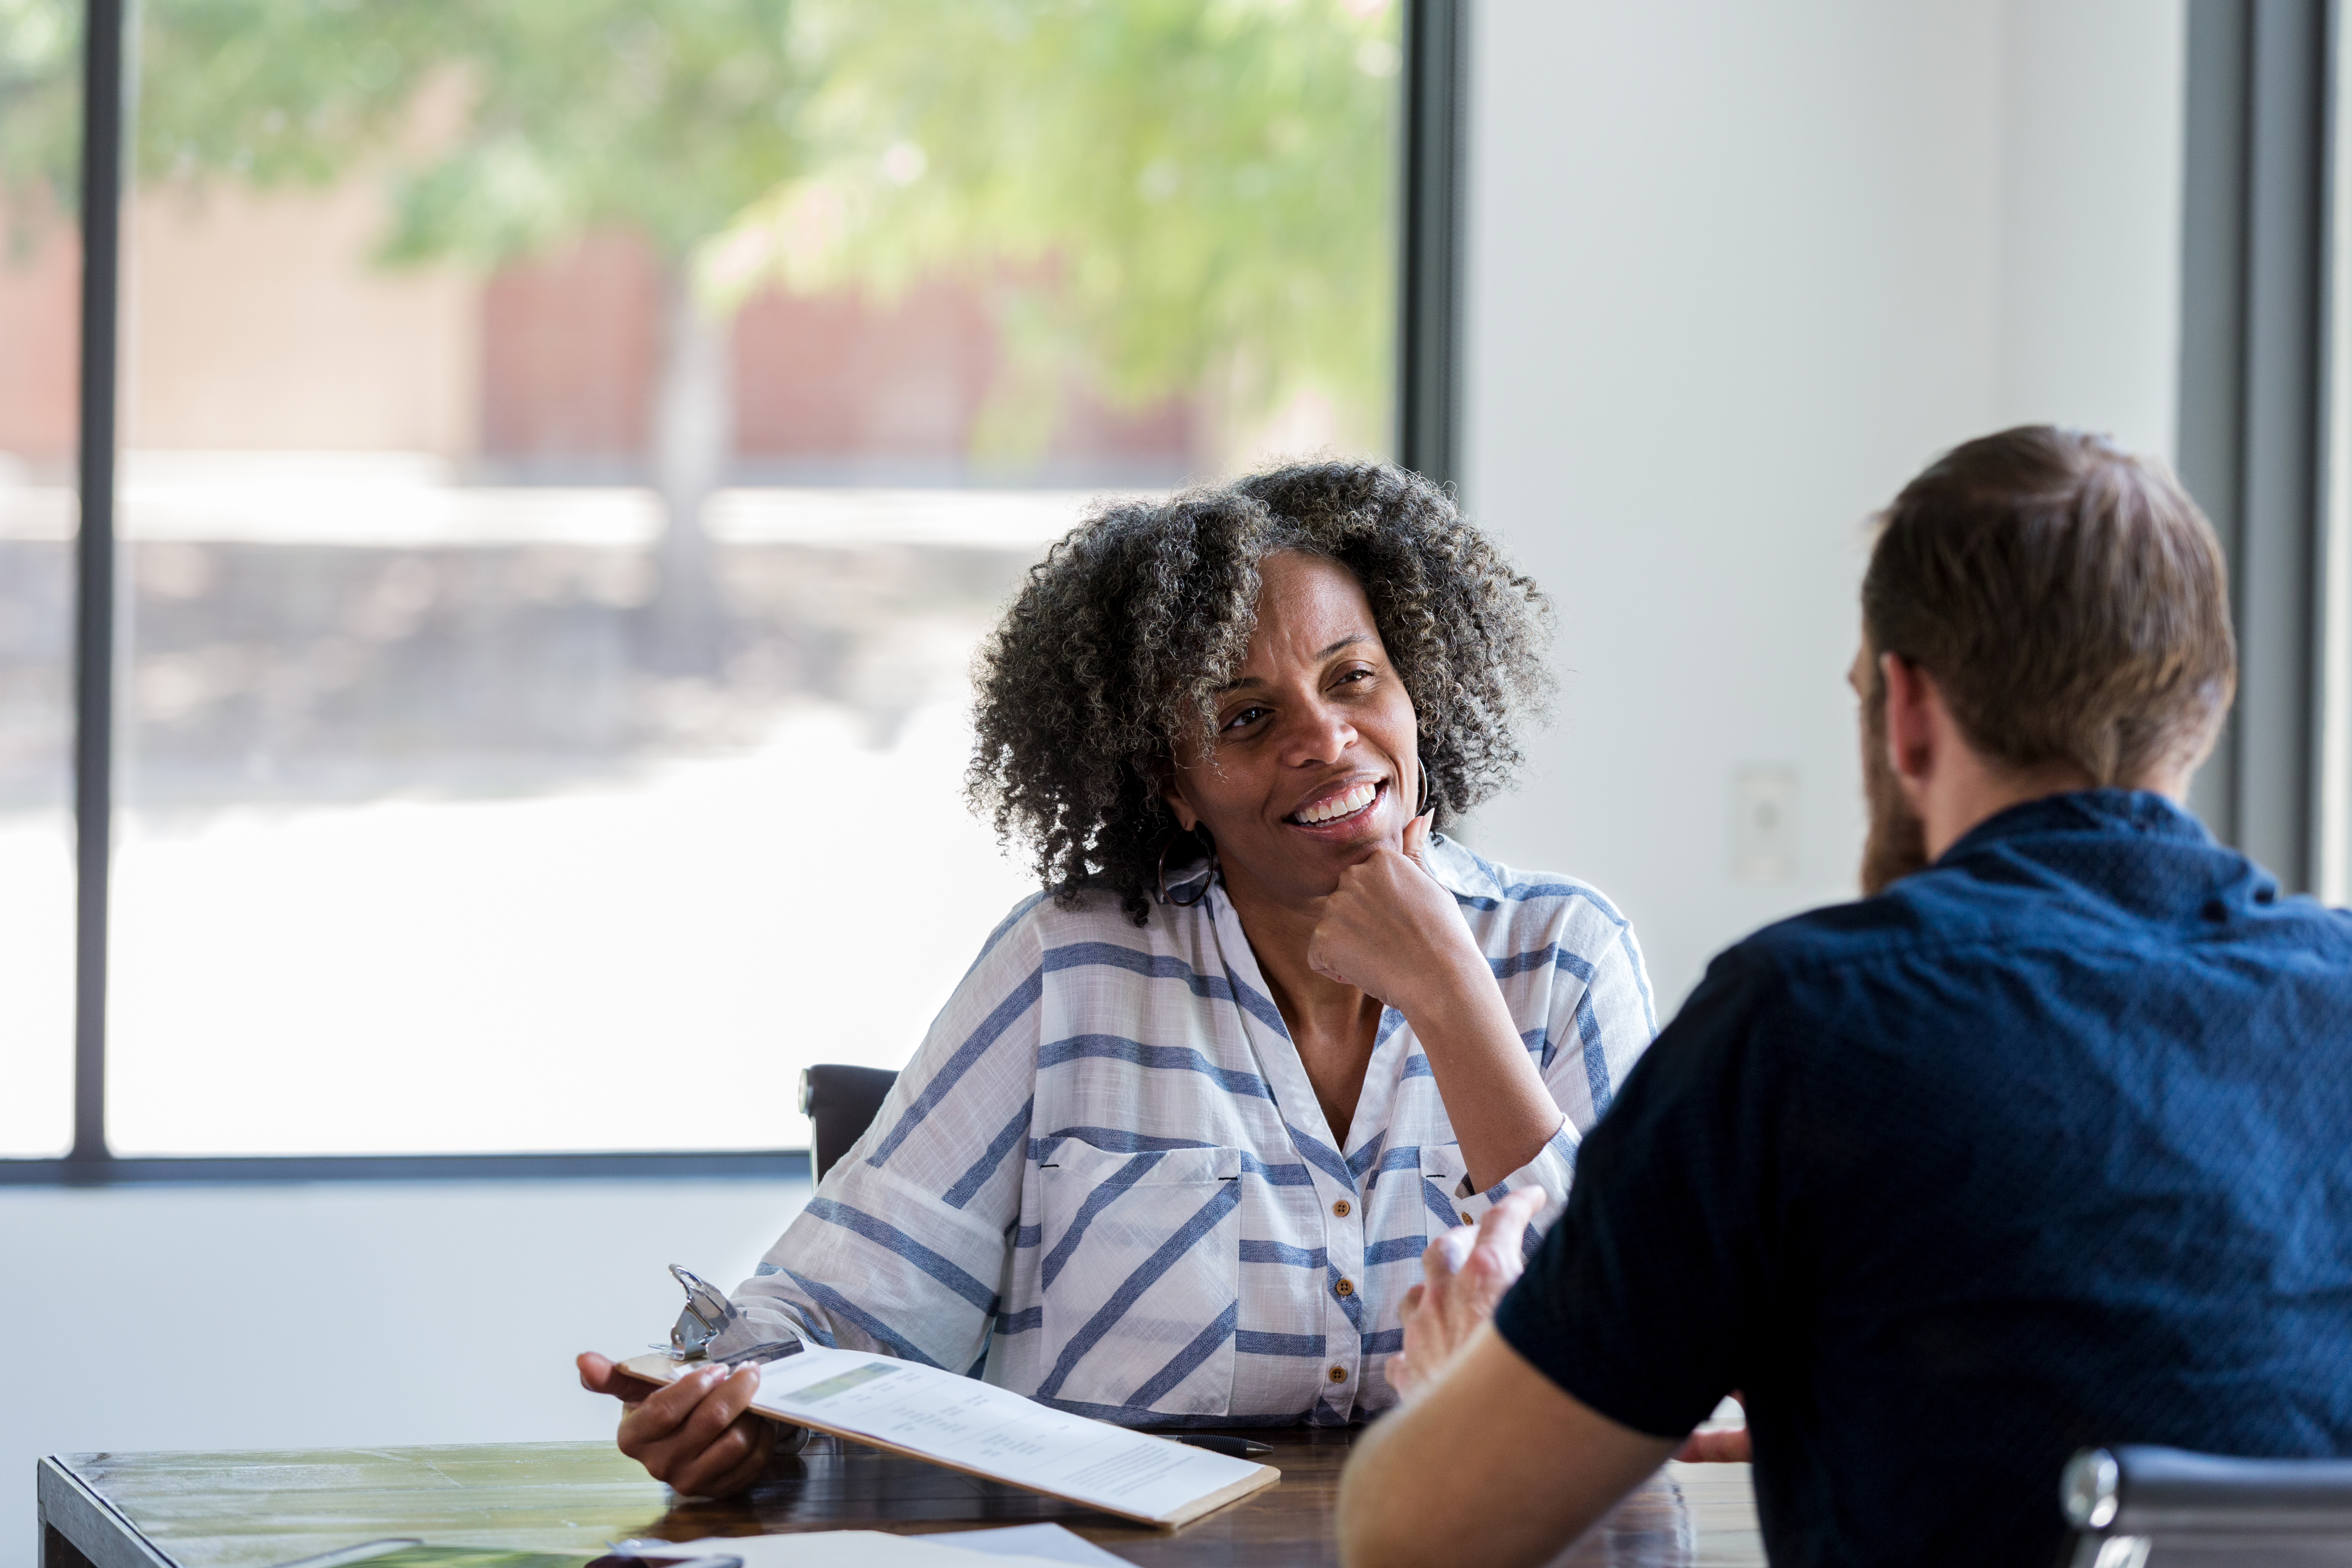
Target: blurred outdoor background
column 571, row 450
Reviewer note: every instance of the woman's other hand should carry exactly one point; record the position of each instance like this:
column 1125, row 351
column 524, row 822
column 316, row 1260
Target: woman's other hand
column 696, row 1434
column 1393, row 931
column 1463, row 1275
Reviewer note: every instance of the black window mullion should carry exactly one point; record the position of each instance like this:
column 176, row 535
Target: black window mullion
column 1429, row 287
column 103, row 108
column 2253, row 309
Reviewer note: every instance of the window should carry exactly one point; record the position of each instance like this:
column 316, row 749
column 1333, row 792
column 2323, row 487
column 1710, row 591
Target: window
column 569, row 454
column 40, row 277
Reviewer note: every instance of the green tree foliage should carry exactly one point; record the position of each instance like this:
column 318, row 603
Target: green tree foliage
column 1170, row 197
column 40, row 112
column 506, row 125
column 1163, row 198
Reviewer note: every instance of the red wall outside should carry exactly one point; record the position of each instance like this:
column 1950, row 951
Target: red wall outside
column 570, row 352
column 40, row 300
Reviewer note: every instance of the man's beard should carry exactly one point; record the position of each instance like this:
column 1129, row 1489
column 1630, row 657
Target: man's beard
column 1897, row 845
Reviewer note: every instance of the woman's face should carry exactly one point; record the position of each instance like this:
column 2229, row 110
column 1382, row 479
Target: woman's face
column 1314, row 759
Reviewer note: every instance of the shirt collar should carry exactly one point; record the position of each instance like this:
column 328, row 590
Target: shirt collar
column 1458, row 870
column 2140, row 812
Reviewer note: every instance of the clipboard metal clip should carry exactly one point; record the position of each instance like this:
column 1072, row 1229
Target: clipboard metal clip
column 706, row 1312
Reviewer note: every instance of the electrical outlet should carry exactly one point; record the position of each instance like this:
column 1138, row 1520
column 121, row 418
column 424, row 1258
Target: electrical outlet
column 1764, row 825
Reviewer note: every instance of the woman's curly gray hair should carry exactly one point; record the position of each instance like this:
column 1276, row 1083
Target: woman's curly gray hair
column 1119, row 639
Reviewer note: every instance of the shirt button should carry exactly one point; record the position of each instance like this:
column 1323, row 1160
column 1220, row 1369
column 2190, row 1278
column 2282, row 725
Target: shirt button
column 1338, row 1374
column 1342, row 1208
column 1467, row 1220
column 1345, row 1288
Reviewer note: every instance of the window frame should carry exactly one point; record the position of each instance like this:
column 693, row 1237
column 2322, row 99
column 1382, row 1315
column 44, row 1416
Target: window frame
column 1428, row 440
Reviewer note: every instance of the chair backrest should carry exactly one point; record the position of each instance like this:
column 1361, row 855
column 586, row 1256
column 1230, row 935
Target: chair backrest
column 2167, row 1508
column 841, row 1102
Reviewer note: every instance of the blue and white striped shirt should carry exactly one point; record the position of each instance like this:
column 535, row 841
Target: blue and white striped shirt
column 1104, row 1180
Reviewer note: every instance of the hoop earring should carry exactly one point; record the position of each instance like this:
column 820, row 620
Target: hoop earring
column 1208, row 878
column 1422, row 802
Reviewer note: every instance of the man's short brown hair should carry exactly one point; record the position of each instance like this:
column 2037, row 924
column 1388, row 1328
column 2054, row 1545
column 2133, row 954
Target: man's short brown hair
column 2068, row 597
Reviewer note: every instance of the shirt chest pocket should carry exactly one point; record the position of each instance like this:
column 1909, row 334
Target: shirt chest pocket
column 1141, row 1274
column 1444, row 1181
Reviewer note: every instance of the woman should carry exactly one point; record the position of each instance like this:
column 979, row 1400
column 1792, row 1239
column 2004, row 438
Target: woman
column 1173, row 1151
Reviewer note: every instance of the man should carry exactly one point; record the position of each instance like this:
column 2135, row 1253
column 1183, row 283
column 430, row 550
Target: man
column 2047, row 1142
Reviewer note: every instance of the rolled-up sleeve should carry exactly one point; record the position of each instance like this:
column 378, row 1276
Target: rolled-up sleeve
column 1600, row 1020
column 903, row 1249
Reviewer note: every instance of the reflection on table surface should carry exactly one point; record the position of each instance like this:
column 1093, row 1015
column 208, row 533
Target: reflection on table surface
column 254, row 1508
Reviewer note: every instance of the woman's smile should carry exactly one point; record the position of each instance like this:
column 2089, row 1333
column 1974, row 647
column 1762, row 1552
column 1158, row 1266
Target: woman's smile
column 1341, row 805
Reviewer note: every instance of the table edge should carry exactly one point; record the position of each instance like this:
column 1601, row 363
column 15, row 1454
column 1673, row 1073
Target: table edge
column 66, row 1503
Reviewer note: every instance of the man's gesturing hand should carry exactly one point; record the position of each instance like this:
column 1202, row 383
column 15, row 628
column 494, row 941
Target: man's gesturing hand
column 697, row 1434
column 1390, row 923
column 1463, row 1275
column 1728, row 1446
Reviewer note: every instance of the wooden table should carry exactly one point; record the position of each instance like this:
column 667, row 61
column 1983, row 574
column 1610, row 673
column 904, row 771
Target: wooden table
column 253, row 1510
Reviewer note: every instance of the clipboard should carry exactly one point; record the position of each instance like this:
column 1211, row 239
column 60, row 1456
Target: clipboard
column 660, row 1369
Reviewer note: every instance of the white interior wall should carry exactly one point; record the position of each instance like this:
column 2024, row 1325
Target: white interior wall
column 126, row 1310
column 1736, row 271
column 2090, row 222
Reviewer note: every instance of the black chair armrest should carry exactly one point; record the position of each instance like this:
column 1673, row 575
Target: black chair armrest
column 2160, row 1492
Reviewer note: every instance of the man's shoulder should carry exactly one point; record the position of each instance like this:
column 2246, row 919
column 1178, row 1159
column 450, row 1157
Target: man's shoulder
column 1813, row 966
column 1983, row 909
column 1947, row 951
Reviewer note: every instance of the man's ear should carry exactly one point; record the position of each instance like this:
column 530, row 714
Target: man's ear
column 1911, row 699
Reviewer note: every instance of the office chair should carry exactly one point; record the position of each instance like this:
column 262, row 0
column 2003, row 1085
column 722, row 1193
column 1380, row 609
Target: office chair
column 2167, row 1508
column 841, row 1102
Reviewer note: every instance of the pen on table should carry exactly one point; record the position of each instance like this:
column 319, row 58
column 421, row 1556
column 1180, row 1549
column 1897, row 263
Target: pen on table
column 1231, row 1448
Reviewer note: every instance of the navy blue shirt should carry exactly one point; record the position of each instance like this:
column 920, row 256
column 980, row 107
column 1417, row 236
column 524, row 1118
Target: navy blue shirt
column 2048, row 1146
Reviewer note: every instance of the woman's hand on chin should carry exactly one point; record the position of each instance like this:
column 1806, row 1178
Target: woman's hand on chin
column 1391, row 929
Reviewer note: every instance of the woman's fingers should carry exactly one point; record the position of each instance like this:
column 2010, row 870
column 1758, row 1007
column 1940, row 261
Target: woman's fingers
column 1391, row 928
column 758, row 1446
column 728, row 1396
column 1416, row 840
column 595, row 1372
column 664, row 1412
column 677, row 1457
column 668, row 1432
column 730, row 1461
column 696, row 1433
column 602, row 1374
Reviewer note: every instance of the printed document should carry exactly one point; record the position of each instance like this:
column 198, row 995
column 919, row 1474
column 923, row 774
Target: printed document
column 974, row 1425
